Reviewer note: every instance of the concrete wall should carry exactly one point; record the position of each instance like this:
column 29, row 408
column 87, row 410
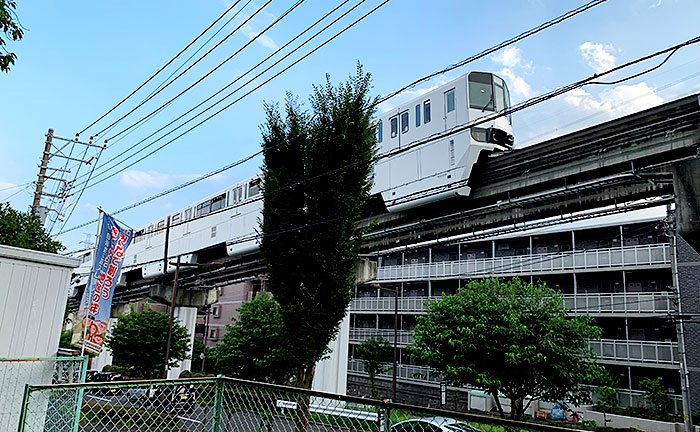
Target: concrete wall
column 187, row 316
column 689, row 282
column 33, row 294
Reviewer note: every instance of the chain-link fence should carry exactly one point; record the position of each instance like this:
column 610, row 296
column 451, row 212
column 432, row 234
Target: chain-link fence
column 16, row 373
column 225, row 404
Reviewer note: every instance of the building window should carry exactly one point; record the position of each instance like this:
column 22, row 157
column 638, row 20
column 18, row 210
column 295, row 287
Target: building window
column 212, row 333
column 380, row 131
column 426, row 111
column 404, row 122
column 417, row 115
column 394, row 126
column 450, row 100
column 216, row 311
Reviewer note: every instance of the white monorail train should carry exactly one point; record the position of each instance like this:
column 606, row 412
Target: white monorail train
column 420, row 175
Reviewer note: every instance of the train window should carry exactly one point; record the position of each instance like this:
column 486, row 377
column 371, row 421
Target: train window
column 379, row 131
column 188, row 214
column 149, row 231
column 217, row 203
column 254, row 187
column 139, row 236
column 426, row 111
column 394, row 126
column 160, row 227
column 240, row 193
column 452, row 152
column 404, row 122
column 499, row 93
column 450, row 100
column 417, row 115
column 481, row 91
column 175, row 219
column 505, row 86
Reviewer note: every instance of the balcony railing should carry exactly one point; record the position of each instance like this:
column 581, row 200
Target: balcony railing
column 599, row 304
column 619, row 257
column 608, row 350
column 633, row 351
column 426, row 375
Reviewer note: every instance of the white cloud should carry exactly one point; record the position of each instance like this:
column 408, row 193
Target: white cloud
column 509, row 57
column 6, row 185
column 598, row 56
column 517, row 84
column 263, row 40
column 618, row 101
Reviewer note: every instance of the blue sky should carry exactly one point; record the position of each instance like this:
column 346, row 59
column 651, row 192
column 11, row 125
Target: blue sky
column 79, row 58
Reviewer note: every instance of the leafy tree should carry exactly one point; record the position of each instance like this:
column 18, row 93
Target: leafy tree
column 139, row 340
column 509, row 337
column 12, row 30
column 64, row 341
column 656, row 394
column 376, row 353
column 251, row 347
column 316, row 180
column 24, row 230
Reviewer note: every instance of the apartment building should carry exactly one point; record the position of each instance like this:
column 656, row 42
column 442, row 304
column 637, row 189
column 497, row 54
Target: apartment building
column 619, row 269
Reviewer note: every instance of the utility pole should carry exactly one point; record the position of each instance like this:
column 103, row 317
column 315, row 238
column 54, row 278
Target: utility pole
column 48, row 173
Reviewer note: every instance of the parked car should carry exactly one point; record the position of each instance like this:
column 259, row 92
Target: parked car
column 433, row 424
column 183, row 398
column 97, row 376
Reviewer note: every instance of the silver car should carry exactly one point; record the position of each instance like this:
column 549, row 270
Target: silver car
column 433, row 424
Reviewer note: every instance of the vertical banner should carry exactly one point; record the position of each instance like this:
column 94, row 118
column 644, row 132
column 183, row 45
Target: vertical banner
column 96, row 305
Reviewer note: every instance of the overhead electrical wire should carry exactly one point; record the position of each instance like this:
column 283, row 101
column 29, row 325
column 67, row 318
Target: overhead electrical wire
column 260, row 9
column 515, row 108
column 162, row 68
column 285, row 69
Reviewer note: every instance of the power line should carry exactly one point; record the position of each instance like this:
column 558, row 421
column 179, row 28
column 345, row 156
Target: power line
column 236, row 100
column 193, row 65
column 162, row 68
column 495, row 48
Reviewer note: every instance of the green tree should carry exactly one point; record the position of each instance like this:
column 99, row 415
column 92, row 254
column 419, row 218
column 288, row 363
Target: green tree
column 252, row 346
column 9, row 24
column 656, row 394
column 24, row 230
column 317, row 175
column 509, row 337
column 376, row 353
column 139, row 340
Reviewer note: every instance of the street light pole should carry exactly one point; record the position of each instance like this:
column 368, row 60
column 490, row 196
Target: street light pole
column 177, row 265
column 396, row 335
column 206, row 334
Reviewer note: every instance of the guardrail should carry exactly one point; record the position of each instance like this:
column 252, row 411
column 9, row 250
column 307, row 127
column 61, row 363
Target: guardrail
column 615, row 304
column 619, row 257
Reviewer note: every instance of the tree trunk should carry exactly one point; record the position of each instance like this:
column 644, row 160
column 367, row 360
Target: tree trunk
column 494, row 393
column 305, row 378
column 516, row 408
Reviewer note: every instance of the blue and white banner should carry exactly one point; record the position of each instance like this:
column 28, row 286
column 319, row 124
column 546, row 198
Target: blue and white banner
column 96, row 305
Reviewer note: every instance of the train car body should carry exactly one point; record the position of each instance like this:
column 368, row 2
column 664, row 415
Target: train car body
column 423, row 173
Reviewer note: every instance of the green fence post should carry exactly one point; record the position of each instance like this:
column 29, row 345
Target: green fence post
column 218, row 398
column 79, row 399
column 387, row 419
column 24, row 409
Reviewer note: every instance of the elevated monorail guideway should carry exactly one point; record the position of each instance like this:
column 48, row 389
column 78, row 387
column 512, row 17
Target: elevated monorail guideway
column 640, row 156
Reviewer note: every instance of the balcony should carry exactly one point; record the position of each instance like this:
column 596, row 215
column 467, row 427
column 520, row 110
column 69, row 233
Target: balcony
column 427, row 376
column 647, row 353
column 646, row 256
column 617, row 304
column 609, row 351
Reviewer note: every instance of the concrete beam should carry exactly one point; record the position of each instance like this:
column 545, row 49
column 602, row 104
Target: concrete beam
column 686, row 183
column 185, row 298
column 365, row 271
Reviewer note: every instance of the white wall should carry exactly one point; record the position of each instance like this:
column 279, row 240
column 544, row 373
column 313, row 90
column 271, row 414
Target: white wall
column 188, row 318
column 33, row 294
column 331, row 373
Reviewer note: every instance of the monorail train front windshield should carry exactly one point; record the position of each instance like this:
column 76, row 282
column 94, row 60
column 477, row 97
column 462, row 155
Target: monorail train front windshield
column 488, row 92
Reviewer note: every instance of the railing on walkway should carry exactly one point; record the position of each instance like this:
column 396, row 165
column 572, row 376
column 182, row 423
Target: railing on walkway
column 633, row 351
column 225, row 404
column 619, row 257
column 16, row 373
column 614, row 304
column 407, row 373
